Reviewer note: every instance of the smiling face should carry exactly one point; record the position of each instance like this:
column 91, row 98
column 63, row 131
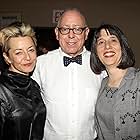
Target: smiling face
column 21, row 56
column 108, row 49
column 72, row 44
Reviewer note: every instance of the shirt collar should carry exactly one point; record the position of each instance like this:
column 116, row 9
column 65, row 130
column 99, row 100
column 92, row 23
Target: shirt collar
column 64, row 54
column 130, row 74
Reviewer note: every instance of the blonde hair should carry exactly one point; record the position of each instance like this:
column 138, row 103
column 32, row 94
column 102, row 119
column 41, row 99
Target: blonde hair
column 15, row 29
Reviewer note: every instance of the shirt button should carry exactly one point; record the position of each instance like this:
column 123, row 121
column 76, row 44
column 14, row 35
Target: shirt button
column 117, row 129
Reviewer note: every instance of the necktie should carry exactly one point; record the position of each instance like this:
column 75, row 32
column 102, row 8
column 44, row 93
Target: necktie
column 68, row 60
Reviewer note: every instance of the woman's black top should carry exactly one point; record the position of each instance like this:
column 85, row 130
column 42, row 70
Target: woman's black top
column 22, row 111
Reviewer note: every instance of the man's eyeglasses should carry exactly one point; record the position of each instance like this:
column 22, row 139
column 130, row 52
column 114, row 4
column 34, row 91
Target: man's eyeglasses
column 76, row 31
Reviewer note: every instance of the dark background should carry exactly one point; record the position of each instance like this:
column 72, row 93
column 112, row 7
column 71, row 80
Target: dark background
column 46, row 37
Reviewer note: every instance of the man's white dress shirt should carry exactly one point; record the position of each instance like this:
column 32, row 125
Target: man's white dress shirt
column 69, row 94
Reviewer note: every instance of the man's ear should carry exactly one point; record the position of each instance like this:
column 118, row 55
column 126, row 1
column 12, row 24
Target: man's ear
column 56, row 33
column 86, row 33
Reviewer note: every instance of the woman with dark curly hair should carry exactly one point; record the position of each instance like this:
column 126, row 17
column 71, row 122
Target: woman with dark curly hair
column 117, row 111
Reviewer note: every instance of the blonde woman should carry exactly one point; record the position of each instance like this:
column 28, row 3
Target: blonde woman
column 22, row 111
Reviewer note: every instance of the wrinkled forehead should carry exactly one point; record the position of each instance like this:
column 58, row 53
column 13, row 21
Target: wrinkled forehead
column 72, row 18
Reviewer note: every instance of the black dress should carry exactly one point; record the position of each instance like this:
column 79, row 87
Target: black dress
column 22, row 111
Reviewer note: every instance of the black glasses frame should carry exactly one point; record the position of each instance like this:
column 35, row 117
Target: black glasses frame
column 69, row 29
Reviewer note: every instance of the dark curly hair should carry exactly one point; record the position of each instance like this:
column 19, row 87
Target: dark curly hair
column 127, row 58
